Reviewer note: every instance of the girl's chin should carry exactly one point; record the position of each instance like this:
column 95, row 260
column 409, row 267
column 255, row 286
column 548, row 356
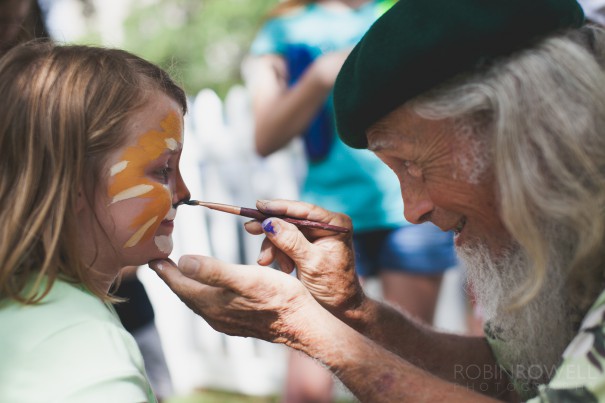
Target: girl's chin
column 160, row 254
column 143, row 257
column 163, row 244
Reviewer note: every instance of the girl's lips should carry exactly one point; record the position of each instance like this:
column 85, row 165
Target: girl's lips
column 168, row 223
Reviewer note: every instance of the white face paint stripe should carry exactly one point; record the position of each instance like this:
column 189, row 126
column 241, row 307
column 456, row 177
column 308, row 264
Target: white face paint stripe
column 140, row 232
column 172, row 144
column 118, row 167
column 134, row 191
column 164, row 243
column 171, row 214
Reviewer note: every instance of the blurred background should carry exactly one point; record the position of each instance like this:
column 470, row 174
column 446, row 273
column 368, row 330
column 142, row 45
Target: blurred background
column 203, row 44
column 201, row 41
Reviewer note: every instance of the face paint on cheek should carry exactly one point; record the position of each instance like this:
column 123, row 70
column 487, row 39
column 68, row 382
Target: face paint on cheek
column 164, row 243
column 129, row 179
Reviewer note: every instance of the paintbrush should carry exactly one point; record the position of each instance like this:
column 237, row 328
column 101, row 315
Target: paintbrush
column 257, row 215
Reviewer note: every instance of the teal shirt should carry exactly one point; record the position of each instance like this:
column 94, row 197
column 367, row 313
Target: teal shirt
column 69, row 348
column 354, row 182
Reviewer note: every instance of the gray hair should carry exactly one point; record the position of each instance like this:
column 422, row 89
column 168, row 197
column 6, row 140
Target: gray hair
column 541, row 114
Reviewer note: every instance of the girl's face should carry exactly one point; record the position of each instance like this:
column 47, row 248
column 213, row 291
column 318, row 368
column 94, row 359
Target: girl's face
column 136, row 206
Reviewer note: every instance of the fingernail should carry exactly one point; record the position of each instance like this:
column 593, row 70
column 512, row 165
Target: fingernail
column 269, row 226
column 156, row 265
column 188, row 266
column 260, row 256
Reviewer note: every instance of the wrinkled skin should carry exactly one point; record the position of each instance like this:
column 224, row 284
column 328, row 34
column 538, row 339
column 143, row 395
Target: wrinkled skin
column 266, row 303
column 325, row 314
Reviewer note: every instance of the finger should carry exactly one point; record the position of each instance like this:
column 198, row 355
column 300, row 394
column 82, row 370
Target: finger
column 303, row 210
column 213, row 272
column 267, row 253
column 253, row 227
column 287, row 238
column 202, row 299
column 168, row 271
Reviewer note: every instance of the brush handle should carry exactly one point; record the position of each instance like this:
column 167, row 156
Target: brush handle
column 257, row 215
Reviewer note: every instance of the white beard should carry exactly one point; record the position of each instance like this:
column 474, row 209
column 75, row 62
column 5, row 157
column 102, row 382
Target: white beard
column 531, row 338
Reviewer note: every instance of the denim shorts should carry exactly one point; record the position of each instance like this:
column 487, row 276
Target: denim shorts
column 415, row 249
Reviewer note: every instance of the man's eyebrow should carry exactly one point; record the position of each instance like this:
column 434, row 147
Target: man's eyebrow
column 377, row 146
column 371, row 134
column 380, row 138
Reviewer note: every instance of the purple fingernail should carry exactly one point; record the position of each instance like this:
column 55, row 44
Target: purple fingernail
column 268, row 226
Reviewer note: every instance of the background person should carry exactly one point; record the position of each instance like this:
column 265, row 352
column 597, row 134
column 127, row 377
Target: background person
column 297, row 54
column 498, row 136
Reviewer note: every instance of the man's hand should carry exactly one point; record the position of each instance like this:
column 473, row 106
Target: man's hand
column 324, row 260
column 241, row 300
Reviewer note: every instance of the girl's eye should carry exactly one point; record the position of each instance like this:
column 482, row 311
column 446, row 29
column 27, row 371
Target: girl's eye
column 164, row 173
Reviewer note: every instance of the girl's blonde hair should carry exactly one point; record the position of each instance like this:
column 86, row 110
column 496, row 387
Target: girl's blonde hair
column 63, row 110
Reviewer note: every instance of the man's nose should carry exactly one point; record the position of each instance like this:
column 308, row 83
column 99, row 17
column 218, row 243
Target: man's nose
column 417, row 205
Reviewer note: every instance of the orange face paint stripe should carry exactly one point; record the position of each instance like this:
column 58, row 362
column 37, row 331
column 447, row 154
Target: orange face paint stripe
column 137, row 236
column 129, row 173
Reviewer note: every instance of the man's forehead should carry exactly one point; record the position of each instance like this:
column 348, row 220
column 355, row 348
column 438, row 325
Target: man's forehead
column 390, row 131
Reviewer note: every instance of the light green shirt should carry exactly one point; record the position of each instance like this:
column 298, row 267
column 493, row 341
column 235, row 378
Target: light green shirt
column 69, row 348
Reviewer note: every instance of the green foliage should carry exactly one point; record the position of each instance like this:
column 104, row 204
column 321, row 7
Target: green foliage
column 201, row 42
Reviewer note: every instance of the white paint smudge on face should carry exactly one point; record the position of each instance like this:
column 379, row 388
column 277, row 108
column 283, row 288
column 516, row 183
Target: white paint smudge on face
column 164, row 243
column 139, row 234
column 471, row 158
column 171, row 143
column 134, row 191
column 171, row 214
column 117, row 168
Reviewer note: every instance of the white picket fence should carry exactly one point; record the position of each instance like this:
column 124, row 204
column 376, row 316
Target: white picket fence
column 219, row 164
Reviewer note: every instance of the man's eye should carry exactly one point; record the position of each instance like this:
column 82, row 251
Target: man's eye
column 412, row 169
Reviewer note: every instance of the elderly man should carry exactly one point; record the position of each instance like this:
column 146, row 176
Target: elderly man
column 492, row 115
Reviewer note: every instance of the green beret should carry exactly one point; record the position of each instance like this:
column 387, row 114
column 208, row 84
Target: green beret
column 419, row 44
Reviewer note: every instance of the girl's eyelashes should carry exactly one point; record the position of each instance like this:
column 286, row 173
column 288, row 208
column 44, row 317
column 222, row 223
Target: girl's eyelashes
column 164, row 173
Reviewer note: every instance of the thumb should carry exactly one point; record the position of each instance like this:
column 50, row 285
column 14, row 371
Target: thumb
column 287, row 238
column 168, row 271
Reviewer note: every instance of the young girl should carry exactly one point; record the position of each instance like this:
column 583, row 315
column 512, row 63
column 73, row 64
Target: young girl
column 90, row 141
